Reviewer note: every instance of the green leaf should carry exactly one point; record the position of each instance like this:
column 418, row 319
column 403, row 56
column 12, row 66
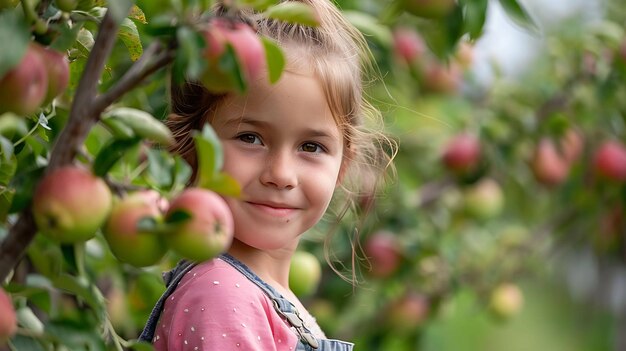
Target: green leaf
column 142, row 123
column 14, row 36
column 275, row 59
column 118, row 129
column 6, row 149
column 189, row 60
column 294, row 12
column 67, row 36
column 137, row 14
column 76, row 335
column 181, row 171
column 370, row 27
column 229, row 64
column 178, row 216
column 111, row 153
column 519, row 15
column 82, row 289
column 159, row 168
column 209, row 153
column 474, row 17
column 130, row 37
column 24, row 183
column 147, row 224
column 221, row 183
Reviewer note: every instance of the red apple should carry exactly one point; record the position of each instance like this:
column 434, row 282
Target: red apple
column 483, row 200
column 383, row 252
column 462, row 153
column 58, row 70
column 506, row 301
column 70, row 204
column 610, row 161
column 429, row 8
column 408, row 312
column 408, row 45
column 548, row 165
column 442, row 79
column 209, row 230
column 23, row 88
column 127, row 242
column 305, row 273
column 248, row 49
column 8, row 319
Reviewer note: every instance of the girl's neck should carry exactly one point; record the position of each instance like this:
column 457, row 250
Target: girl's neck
column 271, row 266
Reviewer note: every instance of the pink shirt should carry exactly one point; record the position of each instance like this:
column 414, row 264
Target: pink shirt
column 215, row 307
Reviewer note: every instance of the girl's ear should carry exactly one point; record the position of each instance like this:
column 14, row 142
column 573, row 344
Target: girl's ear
column 345, row 164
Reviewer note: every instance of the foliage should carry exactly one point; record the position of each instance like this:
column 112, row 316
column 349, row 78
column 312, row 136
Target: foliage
column 451, row 237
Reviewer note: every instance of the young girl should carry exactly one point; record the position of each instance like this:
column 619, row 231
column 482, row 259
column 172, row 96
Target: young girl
column 289, row 145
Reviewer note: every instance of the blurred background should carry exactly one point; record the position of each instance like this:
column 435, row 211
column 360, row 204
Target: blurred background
column 503, row 229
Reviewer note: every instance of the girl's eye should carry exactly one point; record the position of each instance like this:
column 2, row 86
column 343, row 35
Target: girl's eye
column 312, row 147
column 249, row 138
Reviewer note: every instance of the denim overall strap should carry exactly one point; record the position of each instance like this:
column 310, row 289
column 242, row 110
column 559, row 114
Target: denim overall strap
column 171, row 279
column 282, row 306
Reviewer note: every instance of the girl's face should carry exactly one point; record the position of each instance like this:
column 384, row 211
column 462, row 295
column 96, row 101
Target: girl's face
column 284, row 148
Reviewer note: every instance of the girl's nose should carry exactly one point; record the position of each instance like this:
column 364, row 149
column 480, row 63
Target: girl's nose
column 280, row 171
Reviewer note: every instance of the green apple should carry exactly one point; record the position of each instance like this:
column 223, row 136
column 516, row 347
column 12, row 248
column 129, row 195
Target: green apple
column 127, row 242
column 207, row 227
column 506, row 301
column 305, row 273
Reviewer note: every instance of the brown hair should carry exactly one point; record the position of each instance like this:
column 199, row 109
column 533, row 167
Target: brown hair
column 340, row 57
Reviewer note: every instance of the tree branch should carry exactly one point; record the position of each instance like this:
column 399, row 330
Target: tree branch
column 82, row 118
column 153, row 58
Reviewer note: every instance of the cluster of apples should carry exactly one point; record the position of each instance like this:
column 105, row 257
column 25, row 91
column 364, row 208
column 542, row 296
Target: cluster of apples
column 70, row 204
column 41, row 75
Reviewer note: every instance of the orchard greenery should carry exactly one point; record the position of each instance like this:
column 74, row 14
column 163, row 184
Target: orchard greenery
column 492, row 180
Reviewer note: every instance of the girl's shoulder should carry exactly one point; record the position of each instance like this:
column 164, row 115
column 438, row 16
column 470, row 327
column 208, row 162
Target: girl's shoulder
column 219, row 279
column 214, row 304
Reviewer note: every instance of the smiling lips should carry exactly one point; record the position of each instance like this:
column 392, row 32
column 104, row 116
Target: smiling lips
column 274, row 209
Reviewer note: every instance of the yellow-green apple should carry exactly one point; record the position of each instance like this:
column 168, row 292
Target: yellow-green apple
column 70, row 204
column 248, row 49
column 548, row 164
column 384, row 253
column 429, row 8
column 206, row 229
column 483, row 200
column 506, row 301
column 464, row 54
column 58, row 70
column 305, row 273
column 127, row 241
column 408, row 45
column 462, row 153
column 8, row 319
column 23, row 88
column 610, row 161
